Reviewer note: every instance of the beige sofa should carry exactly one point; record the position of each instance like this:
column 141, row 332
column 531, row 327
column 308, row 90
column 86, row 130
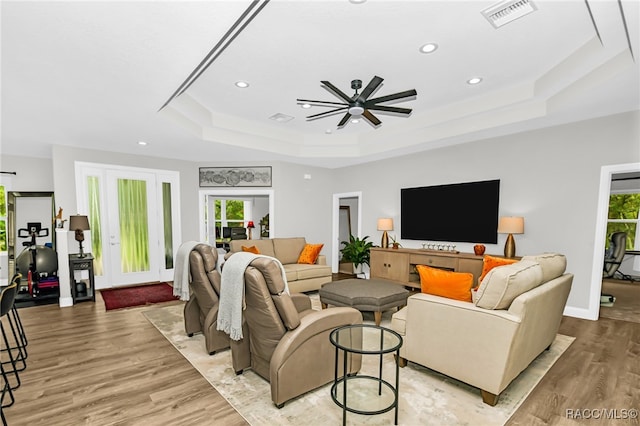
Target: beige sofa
column 300, row 277
column 486, row 344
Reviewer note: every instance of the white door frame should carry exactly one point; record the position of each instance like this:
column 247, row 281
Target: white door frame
column 204, row 193
column 84, row 169
column 335, row 230
column 606, row 173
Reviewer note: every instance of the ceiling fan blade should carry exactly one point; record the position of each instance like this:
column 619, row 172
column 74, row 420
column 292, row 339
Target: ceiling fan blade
column 371, row 87
column 336, row 91
column 390, row 109
column 309, row 101
column 399, row 95
column 371, row 118
column 322, row 114
column 344, row 120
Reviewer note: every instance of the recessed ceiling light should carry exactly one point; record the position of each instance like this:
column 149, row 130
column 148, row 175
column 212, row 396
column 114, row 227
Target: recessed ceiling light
column 305, row 106
column 142, row 143
column 328, row 131
column 357, row 1
column 355, row 121
column 242, row 84
column 428, row 48
column 474, row 80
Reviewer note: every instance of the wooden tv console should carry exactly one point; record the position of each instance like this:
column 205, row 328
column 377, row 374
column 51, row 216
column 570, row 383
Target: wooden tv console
column 399, row 265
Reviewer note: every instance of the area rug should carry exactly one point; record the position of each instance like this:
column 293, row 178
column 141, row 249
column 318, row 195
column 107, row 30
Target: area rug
column 127, row 297
column 425, row 397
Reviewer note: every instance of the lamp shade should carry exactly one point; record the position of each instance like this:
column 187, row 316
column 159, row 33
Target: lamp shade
column 511, row 225
column 385, row 224
column 250, row 224
column 80, row 222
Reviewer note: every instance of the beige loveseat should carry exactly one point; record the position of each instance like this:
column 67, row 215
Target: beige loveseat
column 300, row 277
column 486, row 344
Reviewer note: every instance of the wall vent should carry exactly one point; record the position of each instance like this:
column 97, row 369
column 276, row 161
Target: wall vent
column 507, row 11
column 281, row 118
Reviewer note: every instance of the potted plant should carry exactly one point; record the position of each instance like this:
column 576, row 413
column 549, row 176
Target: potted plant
column 395, row 243
column 356, row 251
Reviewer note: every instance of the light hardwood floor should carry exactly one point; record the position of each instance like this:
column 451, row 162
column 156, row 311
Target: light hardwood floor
column 88, row 366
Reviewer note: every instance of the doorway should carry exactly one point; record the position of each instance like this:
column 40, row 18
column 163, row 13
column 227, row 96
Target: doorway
column 353, row 200
column 261, row 208
column 606, row 176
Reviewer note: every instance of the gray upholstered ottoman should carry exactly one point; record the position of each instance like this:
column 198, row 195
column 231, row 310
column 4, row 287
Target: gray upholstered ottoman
column 364, row 295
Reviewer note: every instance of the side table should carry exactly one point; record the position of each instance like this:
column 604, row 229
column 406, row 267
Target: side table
column 82, row 280
column 365, row 339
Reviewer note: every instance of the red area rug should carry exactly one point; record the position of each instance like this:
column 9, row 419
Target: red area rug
column 127, row 297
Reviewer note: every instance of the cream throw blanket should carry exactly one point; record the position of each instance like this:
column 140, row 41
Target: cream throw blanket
column 181, row 270
column 232, row 292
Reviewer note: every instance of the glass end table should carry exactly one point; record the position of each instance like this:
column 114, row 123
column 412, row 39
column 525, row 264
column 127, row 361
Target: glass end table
column 362, row 393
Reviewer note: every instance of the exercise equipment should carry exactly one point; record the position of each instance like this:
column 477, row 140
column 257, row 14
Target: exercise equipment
column 39, row 263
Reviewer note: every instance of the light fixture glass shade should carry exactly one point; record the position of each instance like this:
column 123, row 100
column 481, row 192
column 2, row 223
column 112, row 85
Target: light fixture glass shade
column 385, row 224
column 511, row 225
column 79, row 222
column 356, row 110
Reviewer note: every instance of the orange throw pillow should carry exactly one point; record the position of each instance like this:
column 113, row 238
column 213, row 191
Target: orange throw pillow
column 453, row 285
column 310, row 253
column 252, row 249
column 490, row 262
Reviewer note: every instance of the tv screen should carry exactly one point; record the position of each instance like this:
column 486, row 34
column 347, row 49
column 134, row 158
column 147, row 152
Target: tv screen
column 462, row 212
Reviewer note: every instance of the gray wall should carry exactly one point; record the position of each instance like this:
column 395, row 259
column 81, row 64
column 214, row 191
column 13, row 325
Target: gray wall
column 550, row 176
column 32, row 174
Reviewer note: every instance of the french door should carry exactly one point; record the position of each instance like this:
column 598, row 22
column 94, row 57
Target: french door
column 133, row 234
column 134, row 220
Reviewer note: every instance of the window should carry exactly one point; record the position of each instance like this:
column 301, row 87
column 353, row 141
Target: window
column 227, row 213
column 5, row 188
column 623, row 216
column 3, row 218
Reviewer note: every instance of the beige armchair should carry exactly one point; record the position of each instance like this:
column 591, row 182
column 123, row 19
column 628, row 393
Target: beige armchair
column 201, row 311
column 487, row 348
column 288, row 341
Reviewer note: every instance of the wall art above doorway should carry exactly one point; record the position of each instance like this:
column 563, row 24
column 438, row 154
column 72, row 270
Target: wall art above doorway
column 235, row 176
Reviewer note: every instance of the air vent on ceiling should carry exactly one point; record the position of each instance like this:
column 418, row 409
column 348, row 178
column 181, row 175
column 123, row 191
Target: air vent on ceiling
column 281, row 118
column 507, row 11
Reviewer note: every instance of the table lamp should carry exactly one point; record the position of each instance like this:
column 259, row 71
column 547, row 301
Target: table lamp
column 79, row 224
column 510, row 225
column 385, row 224
column 250, row 226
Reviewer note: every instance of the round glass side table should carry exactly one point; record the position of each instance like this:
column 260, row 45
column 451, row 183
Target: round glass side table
column 362, row 393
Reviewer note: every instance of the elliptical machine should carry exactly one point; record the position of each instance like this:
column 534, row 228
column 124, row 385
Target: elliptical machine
column 38, row 263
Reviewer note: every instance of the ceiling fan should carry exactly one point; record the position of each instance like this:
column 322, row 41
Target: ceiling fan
column 359, row 104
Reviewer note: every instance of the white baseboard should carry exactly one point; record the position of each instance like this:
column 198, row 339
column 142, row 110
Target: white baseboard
column 581, row 313
column 65, row 302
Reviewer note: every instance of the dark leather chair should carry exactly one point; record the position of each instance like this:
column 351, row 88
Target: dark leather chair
column 615, row 254
column 288, row 341
column 201, row 310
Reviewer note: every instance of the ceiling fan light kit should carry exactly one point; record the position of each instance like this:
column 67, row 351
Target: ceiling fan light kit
column 359, row 105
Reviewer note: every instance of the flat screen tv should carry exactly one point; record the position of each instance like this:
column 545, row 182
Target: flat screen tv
column 461, row 212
